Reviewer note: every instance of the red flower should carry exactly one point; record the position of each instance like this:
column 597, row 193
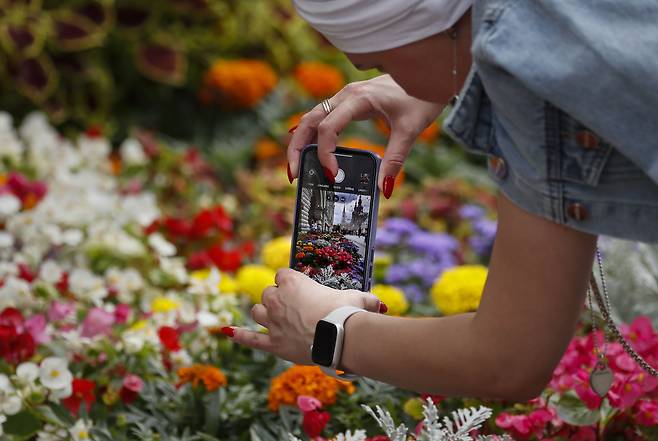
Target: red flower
column 177, row 227
column 63, row 284
column 225, row 260
column 169, row 338
column 16, row 343
column 212, row 218
column 199, row 260
column 25, row 273
column 132, row 386
column 314, row 422
column 83, row 391
column 379, row 438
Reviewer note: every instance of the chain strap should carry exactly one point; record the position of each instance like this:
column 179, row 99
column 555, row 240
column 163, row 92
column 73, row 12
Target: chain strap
column 604, row 307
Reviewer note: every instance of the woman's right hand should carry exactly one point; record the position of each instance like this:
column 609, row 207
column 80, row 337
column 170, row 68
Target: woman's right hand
column 379, row 97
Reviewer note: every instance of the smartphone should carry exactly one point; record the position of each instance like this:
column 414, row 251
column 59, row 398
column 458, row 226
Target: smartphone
column 334, row 229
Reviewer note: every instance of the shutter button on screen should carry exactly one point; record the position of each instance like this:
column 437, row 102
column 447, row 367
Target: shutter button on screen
column 340, row 176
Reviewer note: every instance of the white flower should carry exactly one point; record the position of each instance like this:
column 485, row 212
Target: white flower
column 11, row 405
column 94, row 151
column 133, row 341
column 9, row 205
column 208, row 285
column 207, row 319
column 2, row 421
column 54, row 373
column 58, row 394
column 50, row 272
column 87, row 286
column 10, row 146
column 80, row 430
column 27, row 372
column 174, row 268
column 5, row 385
column 15, row 291
column 72, row 237
column 161, row 245
column 132, row 152
column 181, row 358
column 6, row 240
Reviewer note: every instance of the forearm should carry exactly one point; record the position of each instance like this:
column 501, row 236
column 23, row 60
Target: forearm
column 434, row 354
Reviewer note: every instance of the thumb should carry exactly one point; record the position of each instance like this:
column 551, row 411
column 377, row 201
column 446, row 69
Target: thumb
column 371, row 303
column 399, row 145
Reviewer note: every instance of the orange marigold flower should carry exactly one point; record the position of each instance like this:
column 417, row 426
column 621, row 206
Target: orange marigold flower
column 428, row 135
column 362, row 144
column 240, row 83
column 266, row 148
column 211, row 377
column 305, row 380
column 319, row 80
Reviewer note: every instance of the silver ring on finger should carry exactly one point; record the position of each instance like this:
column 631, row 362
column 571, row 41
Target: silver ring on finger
column 327, row 106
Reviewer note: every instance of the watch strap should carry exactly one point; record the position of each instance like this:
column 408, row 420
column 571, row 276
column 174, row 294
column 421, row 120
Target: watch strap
column 339, row 316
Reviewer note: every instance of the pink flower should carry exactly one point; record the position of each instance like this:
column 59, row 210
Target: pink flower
column 641, row 334
column 307, row 403
column 121, row 313
column 97, row 322
column 60, row 310
column 133, row 382
column 584, row 390
column 520, row 426
column 647, row 412
column 36, row 326
column 624, row 392
column 584, row 434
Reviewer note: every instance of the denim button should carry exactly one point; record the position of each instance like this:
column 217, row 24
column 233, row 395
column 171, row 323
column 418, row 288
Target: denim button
column 577, row 211
column 587, row 140
column 498, row 166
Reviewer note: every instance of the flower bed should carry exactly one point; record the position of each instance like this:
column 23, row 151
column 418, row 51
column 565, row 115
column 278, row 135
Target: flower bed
column 119, row 267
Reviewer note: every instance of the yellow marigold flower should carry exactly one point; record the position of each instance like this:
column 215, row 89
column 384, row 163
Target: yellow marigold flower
column 459, row 289
column 253, row 279
column 240, row 83
column 164, row 304
column 211, row 377
column 276, row 253
column 294, row 120
column 139, row 325
column 227, row 284
column 319, row 80
column 393, row 297
column 305, row 380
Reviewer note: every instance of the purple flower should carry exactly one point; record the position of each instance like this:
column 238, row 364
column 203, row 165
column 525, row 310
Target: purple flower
column 471, row 212
column 414, row 293
column 386, row 238
column 436, row 245
column 401, row 225
column 397, row 272
column 97, row 322
column 484, row 233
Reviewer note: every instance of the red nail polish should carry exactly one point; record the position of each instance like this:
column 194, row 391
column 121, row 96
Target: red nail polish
column 329, row 175
column 228, row 331
column 290, row 177
column 292, row 129
column 382, row 307
column 389, row 183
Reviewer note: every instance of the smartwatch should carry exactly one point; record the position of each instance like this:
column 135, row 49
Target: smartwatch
column 327, row 346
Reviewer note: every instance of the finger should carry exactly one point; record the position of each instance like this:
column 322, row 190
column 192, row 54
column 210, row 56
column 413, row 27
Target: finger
column 370, row 302
column 284, row 275
column 259, row 314
column 268, row 293
column 253, row 339
column 399, row 145
column 303, row 135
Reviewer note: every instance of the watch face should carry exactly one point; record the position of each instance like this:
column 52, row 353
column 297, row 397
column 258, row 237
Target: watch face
column 324, row 343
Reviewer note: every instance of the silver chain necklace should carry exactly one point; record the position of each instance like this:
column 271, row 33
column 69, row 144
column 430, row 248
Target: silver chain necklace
column 602, row 376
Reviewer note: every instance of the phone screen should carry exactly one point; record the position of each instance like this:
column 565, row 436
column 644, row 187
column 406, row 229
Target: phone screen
column 332, row 235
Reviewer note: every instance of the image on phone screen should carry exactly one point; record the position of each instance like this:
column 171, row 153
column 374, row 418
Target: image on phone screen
column 332, row 231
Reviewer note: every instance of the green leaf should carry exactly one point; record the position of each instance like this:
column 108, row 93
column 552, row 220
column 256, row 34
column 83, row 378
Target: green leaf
column 572, row 410
column 22, row 426
column 56, row 414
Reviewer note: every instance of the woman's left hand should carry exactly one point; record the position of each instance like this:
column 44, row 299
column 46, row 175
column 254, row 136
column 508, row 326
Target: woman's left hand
column 291, row 309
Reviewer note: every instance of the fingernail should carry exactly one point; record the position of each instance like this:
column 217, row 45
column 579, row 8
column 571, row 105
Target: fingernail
column 329, row 175
column 389, row 182
column 228, row 331
column 382, row 307
column 292, row 129
column 290, row 178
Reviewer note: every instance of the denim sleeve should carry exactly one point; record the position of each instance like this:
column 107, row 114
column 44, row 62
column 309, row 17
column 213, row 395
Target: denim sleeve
column 596, row 60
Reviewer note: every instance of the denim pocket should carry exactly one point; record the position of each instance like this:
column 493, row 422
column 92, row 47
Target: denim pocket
column 583, row 153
